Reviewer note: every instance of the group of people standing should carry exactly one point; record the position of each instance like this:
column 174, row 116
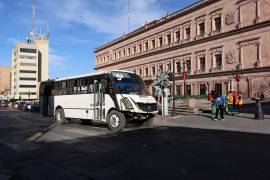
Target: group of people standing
column 226, row 104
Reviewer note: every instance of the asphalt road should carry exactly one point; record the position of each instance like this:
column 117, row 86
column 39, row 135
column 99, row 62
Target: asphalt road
column 33, row 147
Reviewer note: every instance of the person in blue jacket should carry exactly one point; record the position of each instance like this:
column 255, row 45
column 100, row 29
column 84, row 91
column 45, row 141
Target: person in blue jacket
column 220, row 103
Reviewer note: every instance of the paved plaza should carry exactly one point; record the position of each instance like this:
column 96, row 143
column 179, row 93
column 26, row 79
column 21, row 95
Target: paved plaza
column 182, row 147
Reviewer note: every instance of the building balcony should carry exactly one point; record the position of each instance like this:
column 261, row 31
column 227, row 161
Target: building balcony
column 217, row 69
column 200, row 71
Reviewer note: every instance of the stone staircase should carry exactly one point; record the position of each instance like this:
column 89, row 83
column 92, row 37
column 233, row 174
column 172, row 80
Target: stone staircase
column 181, row 107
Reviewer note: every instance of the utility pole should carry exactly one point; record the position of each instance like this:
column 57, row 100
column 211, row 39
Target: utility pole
column 128, row 16
column 34, row 17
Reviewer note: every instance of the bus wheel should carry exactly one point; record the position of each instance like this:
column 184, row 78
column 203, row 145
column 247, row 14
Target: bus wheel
column 116, row 121
column 60, row 115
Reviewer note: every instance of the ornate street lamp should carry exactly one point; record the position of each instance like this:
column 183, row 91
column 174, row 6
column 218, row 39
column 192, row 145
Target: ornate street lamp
column 184, row 77
column 230, row 83
column 237, row 76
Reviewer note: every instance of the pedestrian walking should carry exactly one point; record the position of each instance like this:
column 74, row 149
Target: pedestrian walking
column 239, row 102
column 220, row 102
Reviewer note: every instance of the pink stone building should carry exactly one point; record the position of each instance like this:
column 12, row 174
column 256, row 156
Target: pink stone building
column 210, row 40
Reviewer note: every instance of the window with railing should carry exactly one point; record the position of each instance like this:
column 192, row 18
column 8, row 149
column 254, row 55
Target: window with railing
column 177, row 36
column 169, row 67
column 119, row 54
column 140, row 48
column 134, row 50
column 178, row 67
column 146, row 46
column 187, row 33
column 153, row 44
column 146, row 71
column 217, row 22
column 218, row 58
column 202, row 63
column 169, row 39
column 153, row 70
column 201, row 28
column 178, row 90
column 188, row 64
column 140, row 71
column 160, row 42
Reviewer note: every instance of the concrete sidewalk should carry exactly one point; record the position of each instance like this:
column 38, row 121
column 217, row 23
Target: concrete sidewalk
column 244, row 123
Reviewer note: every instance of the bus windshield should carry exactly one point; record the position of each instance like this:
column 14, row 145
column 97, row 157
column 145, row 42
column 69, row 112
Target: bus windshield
column 128, row 83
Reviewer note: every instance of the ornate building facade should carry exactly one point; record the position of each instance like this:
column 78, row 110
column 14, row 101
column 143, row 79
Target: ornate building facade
column 212, row 40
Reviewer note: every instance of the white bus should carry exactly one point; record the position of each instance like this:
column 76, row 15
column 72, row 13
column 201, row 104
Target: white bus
column 112, row 97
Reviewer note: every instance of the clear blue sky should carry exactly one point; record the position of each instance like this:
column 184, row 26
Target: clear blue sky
column 76, row 27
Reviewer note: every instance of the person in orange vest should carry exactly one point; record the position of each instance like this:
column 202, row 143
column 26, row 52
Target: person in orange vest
column 230, row 102
column 239, row 102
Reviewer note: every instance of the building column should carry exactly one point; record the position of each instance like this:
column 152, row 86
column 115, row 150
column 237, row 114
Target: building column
column 198, row 63
column 240, row 57
column 239, row 25
column 257, row 20
column 182, row 32
column 213, row 61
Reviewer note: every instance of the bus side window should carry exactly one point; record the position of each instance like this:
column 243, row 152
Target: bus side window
column 55, row 88
column 74, row 91
column 90, row 88
column 63, row 88
column 84, row 85
column 70, row 86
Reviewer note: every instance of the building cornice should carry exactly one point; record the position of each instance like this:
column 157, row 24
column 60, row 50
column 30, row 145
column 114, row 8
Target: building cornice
column 191, row 43
column 160, row 22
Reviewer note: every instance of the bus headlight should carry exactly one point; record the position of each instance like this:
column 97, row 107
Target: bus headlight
column 127, row 103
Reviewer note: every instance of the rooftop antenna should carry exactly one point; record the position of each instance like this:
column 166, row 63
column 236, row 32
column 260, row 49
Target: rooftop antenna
column 34, row 17
column 128, row 16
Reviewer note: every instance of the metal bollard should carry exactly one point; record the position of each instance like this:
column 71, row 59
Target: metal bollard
column 259, row 112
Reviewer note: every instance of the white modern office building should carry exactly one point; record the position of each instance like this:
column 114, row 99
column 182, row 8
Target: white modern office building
column 29, row 68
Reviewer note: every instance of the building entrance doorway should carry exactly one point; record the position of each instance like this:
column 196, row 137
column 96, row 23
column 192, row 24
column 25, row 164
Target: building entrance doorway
column 202, row 89
column 218, row 88
column 188, row 90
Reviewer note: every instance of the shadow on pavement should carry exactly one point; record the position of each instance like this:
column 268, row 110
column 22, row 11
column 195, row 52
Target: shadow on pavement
column 153, row 154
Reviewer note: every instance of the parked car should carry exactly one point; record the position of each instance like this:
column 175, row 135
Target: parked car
column 16, row 104
column 21, row 105
column 27, row 106
column 35, row 107
column 4, row 103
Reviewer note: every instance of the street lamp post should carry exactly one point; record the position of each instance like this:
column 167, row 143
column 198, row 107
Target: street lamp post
column 230, row 83
column 184, row 76
column 237, row 76
column 173, row 89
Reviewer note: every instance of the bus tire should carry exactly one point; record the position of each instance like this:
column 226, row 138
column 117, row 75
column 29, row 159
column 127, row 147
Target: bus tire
column 116, row 121
column 60, row 116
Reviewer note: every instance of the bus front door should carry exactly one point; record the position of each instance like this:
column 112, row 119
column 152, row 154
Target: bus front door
column 98, row 101
column 47, row 91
